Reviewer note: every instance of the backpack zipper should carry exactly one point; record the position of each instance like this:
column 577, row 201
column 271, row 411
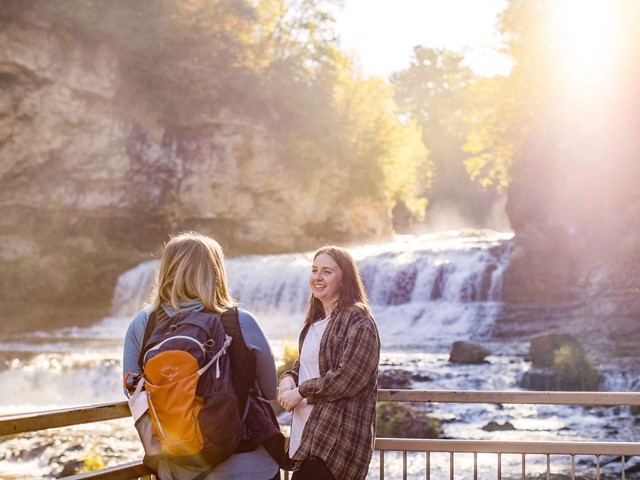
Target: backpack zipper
column 156, row 347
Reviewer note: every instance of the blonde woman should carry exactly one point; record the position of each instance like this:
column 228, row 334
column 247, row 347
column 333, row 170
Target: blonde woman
column 332, row 387
column 191, row 277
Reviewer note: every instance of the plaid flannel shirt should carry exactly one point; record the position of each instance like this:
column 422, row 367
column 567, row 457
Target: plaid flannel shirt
column 341, row 428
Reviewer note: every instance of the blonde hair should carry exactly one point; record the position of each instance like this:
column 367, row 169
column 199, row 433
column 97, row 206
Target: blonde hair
column 192, row 268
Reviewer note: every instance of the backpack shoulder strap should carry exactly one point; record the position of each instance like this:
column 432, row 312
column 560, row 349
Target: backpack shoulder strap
column 154, row 316
column 231, row 321
column 243, row 361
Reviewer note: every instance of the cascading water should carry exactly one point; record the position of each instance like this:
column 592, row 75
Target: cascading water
column 424, row 291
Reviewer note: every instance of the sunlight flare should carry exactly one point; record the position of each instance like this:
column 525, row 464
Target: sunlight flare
column 586, row 39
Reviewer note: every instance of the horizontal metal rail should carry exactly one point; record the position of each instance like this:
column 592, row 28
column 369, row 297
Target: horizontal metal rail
column 126, row 471
column 31, row 422
column 22, row 423
column 487, row 446
column 15, row 424
column 533, row 398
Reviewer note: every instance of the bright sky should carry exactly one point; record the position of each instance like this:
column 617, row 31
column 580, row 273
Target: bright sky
column 382, row 33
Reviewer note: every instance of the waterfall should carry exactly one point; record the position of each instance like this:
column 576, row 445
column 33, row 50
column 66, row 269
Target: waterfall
column 133, row 289
column 424, row 291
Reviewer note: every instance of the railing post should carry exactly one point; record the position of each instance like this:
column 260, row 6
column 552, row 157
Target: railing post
column 428, row 465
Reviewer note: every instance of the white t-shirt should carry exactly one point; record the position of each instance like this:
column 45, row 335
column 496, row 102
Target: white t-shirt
column 309, row 368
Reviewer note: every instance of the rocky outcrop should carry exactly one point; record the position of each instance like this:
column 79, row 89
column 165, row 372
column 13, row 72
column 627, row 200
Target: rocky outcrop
column 398, row 379
column 559, row 362
column 498, row 427
column 394, row 378
column 405, row 421
column 468, row 353
column 544, row 347
column 545, row 380
column 93, row 179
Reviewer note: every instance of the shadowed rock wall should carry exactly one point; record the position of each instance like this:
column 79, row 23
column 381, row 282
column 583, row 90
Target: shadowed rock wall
column 92, row 181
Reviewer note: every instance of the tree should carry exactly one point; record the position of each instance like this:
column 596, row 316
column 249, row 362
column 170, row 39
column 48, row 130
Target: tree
column 387, row 157
column 489, row 122
column 434, row 92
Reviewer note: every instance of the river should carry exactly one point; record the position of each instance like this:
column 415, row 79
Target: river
column 426, row 292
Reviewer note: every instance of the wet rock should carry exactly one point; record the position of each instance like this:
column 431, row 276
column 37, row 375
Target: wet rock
column 405, row 421
column 71, row 467
column 32, row 453
column 560, row 363
column 403, row 285
column 421, row 377
column 543, row 348
column 468, row 353
column 550, row 380
column 394, row 378
column 498, row 427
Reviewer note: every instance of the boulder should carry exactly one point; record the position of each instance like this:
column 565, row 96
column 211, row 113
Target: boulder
column 405, row 421
column 543, row 348
column 498, row 427
column 468, row 353
column 581, row 379
column 394, row 378
column 559, row 363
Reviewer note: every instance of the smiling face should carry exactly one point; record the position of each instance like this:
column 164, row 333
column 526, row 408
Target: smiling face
column 326, row 281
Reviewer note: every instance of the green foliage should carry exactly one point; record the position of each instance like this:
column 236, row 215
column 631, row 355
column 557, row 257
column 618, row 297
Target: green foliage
column 387, row 157
column 490, row 139
column 290, row 355
column 537, row 114
column 503, row 111
column 574, row 368
column 93, row 461
column 404, row 421
column 434, row 91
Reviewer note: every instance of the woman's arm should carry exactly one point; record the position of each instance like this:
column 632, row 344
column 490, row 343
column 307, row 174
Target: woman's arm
column 133, row 345
column 257, row 342
column 292, row 373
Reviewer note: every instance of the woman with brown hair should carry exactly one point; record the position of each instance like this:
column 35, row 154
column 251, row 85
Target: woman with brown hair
column 332, row 387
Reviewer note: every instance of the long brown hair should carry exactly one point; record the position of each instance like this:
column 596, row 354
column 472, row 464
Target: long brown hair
column 192, row 268
column 352, row 290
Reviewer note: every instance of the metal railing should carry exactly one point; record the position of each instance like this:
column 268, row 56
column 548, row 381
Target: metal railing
column 16, row 424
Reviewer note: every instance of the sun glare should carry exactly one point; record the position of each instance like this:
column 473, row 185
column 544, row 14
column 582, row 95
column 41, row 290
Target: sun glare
column 586, row 36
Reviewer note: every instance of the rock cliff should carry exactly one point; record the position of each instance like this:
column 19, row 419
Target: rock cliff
column 92, row 181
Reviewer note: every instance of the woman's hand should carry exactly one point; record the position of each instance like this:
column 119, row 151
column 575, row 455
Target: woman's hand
column 289, row 399
column 286, row 383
